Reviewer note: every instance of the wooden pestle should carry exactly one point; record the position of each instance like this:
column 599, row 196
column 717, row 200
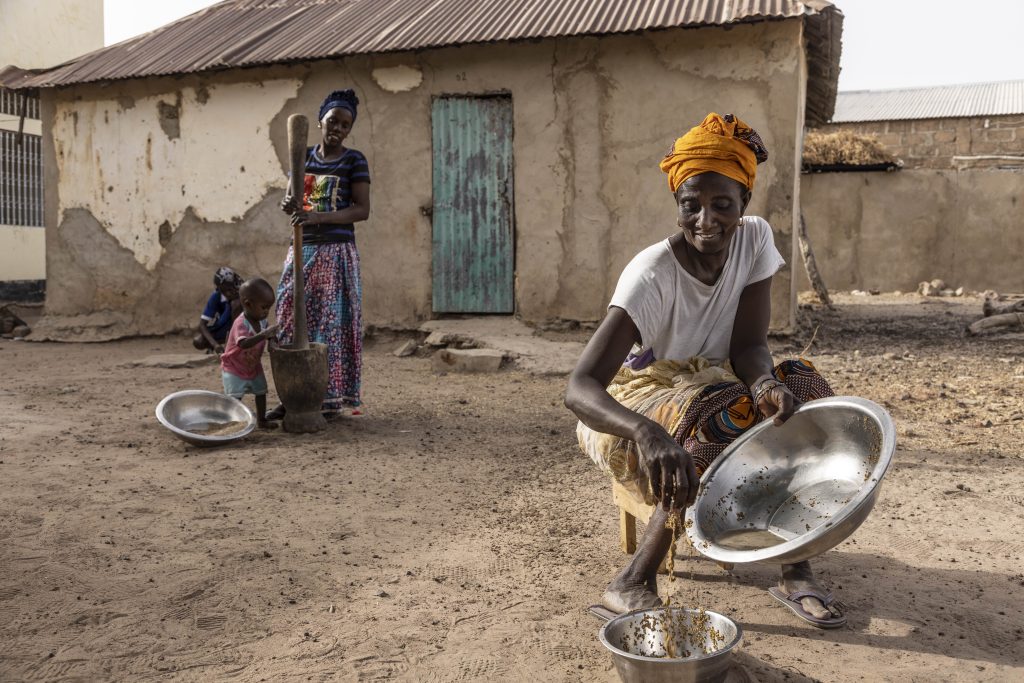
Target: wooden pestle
column 298, row 133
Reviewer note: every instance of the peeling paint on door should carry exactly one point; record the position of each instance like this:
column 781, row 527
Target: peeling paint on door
column 473, row 266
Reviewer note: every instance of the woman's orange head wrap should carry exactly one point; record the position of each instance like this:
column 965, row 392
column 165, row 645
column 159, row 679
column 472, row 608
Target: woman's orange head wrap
column 724, row 145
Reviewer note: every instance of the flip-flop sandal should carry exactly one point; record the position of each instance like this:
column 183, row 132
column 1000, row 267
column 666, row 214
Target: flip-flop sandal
column 602, row 612
column 792, row 601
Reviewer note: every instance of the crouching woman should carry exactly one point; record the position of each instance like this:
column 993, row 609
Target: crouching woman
column 680, row 365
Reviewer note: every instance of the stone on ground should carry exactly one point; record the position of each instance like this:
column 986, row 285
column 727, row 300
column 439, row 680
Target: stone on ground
column 467, row 360
column 406, row 349
column 531, row 353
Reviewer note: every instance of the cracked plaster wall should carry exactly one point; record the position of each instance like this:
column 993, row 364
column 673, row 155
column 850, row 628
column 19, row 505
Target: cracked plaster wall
column 592, row 117
column 141, row 163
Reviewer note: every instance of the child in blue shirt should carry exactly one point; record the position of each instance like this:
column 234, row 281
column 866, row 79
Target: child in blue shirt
column 222, row 308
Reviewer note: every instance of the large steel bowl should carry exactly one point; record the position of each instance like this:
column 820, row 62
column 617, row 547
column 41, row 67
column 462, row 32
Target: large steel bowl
column 186, row 412
column 789, row 493
column 634, row 637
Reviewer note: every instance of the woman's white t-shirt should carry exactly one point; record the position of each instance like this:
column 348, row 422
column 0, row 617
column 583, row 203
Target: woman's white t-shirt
column 679, row 316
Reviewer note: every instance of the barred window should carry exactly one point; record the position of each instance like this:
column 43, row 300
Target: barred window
column 11, row 103
column 21, row 179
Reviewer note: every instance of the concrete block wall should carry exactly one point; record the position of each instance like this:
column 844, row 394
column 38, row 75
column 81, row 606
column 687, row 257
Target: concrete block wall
column 932, row 143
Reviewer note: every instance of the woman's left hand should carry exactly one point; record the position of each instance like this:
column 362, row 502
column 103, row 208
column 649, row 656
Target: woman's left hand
column 290, row 204
column 304, row 218
column 774, row 398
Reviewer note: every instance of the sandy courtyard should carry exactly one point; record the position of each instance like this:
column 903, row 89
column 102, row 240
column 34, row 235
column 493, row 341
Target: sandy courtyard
column 455, row 533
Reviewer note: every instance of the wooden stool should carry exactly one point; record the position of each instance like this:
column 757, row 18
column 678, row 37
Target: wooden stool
column 631, row 510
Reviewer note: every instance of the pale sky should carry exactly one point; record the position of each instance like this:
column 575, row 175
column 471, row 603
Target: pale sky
column 886, row 43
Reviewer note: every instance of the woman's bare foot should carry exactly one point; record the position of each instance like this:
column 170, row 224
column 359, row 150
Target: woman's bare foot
column 623, row 595
column 636, row 586
column 797, row 578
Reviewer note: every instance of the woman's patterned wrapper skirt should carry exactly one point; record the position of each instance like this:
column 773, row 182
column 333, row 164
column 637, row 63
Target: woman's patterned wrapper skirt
column 334, row 296
column 705, row 407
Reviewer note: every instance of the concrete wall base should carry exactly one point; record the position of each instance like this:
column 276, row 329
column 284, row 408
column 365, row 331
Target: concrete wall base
column 23, row 291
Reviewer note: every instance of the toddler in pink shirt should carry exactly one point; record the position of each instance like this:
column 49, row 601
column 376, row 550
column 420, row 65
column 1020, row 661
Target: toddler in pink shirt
column 242, row 361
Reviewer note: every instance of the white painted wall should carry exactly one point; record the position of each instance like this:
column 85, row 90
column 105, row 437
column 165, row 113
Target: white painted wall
column 115, row 159
column 37, row 34
column 22, row 253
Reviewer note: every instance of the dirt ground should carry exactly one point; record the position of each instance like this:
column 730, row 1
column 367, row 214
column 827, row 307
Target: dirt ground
column 455, row 533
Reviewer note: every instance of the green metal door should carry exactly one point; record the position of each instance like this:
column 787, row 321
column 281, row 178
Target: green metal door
column 473, row 245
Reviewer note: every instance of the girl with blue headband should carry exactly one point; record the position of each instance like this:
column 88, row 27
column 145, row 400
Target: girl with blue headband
column 335, row 197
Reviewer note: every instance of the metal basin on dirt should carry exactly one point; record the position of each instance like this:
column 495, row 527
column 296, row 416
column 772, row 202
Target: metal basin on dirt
column 188, row 412
column 634, row 637
column 789, row 493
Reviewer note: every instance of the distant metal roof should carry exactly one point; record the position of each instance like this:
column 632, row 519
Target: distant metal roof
column 241, row 33
column 941, row 102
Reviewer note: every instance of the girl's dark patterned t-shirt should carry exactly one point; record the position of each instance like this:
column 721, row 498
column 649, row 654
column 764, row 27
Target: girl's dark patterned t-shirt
column 328, row 187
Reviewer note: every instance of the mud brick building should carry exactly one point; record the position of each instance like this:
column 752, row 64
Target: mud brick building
column 165, row 156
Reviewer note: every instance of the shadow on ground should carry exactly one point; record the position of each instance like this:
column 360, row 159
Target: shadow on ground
column 967, row 619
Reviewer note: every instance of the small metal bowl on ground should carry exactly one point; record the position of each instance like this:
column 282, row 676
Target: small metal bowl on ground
column 205, row 418
column 637, row 641
column 789, row 493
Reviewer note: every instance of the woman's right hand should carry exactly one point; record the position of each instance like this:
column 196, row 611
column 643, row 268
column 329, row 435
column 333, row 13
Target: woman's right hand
column 669, row 468
column 289, row 204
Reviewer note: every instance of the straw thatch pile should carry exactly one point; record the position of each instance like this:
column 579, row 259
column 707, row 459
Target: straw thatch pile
column 844, row 148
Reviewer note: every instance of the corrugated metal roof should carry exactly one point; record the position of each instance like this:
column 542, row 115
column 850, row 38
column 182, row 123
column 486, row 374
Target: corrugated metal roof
column 254, row 32
column 240, row 33
column 940, row 102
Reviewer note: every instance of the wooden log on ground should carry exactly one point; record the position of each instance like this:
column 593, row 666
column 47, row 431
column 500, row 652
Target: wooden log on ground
column 993, row 307
column 997, row 322
column 811, row 266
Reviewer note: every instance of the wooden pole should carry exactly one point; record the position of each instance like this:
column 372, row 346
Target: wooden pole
column 995, row 322
column 992, row 307
column 298, row 133
column 811, row 266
